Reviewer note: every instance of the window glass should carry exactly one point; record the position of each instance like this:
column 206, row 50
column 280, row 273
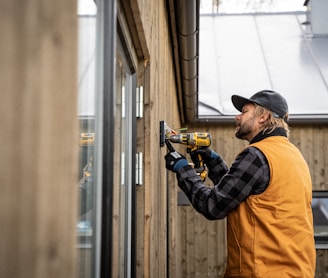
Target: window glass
column 122, row 101
column 320, row 218
column 251, row 6
column 87, row 12
column 248, row 47
column 122, row 190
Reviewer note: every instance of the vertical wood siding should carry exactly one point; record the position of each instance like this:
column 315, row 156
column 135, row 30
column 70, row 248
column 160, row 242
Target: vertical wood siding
column 156, row 75
column 174, row 240
column 38, row 200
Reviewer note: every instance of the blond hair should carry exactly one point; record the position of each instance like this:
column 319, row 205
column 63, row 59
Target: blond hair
column 272, row 121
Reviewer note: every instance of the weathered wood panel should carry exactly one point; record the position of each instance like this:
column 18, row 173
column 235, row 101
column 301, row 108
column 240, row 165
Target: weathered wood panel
column 322, row 264
column 176, row 238
column 312, row 141
column 156, row 219
column 38, row 200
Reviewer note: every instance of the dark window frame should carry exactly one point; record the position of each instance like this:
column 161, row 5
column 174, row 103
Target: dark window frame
column 322, row 240
column 111, row 30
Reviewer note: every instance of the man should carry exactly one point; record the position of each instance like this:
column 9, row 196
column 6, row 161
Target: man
column 266, row 194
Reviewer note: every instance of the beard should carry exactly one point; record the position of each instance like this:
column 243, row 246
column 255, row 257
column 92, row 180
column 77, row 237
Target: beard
column 243, row 130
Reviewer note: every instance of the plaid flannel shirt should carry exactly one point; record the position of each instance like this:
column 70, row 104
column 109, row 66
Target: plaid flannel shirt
column 248, row 175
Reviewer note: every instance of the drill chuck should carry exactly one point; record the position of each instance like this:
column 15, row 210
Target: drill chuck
column 175, row 139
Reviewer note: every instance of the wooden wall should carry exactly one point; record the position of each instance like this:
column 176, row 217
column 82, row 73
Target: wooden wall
column 38, row 200
column 312, row 140
column 38, row 203
column 174, row 240
column 156, row 75
column 171, row 240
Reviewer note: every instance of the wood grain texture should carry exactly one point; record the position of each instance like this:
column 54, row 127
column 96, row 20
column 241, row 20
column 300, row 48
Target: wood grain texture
column 39, row 130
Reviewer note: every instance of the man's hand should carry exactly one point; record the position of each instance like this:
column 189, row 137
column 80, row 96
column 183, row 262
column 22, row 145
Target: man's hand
column 174, row 161
column 207, row 155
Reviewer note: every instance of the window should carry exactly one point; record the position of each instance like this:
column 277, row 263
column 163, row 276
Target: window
column 124, row 165
column 262, row 48
column 88, row 119
column 320, row 218
column 107, row 145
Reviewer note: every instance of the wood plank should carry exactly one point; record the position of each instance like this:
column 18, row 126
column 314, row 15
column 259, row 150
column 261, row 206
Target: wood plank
column 318, row 170
column 191, row 264
column 39, row 142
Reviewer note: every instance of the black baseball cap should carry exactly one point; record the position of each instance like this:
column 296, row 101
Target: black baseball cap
column 271, row 100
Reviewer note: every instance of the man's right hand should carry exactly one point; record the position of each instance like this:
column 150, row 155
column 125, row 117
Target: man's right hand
column 207, row 155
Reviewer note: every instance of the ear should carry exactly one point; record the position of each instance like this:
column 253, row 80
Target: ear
column 263, row 117
column 261, row 120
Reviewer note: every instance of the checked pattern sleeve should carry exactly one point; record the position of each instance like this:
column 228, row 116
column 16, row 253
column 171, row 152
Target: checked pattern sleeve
column 249, row 174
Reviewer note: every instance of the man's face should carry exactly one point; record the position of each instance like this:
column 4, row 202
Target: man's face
column 246, row 123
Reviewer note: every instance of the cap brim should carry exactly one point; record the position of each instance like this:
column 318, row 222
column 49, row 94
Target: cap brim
column 239, row 102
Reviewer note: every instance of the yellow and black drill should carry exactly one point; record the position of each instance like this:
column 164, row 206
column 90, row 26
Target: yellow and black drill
column 194, row 141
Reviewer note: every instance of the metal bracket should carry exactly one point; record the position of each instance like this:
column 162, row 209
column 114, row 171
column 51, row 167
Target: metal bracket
column 139, row 168
column 139, row 102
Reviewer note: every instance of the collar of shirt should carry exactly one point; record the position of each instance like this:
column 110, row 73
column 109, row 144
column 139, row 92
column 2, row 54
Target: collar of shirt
column 277, row 132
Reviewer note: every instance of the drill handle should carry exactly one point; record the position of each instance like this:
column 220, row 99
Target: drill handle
column 199, row 166
column 196, row 158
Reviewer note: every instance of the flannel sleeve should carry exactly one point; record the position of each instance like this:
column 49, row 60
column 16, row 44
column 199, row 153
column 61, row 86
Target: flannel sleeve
column 249, row 174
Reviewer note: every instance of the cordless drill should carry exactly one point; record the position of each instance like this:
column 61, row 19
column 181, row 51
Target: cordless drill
column 194, row 141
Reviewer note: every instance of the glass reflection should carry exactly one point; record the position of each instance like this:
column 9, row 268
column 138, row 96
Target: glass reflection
column 87, row 12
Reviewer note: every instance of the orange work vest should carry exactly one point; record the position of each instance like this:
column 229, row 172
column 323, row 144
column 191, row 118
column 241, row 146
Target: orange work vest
column 271, row 234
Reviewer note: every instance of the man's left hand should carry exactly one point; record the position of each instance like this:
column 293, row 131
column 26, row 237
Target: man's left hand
column 174, row 161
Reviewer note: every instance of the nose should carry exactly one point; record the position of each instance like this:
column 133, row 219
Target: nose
column 237, row 117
